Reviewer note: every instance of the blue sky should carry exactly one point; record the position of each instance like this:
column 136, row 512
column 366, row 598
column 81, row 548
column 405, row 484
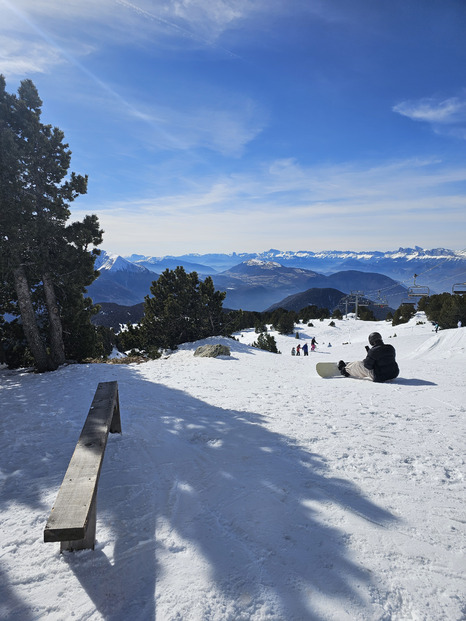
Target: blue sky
column 244, row 125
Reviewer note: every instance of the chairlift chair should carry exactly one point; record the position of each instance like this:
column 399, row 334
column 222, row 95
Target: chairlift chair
column 407, row 301
column 418, row 291
column 381, row 301
column 459, row 288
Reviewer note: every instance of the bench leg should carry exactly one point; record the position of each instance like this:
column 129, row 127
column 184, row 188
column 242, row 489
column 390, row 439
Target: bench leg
column 88, row 542
column 115, row 425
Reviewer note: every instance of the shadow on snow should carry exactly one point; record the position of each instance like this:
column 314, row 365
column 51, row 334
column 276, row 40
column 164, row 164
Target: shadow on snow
column 187, row 474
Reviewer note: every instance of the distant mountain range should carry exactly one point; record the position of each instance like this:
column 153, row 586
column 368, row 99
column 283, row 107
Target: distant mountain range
column 258, row 281
column 401, row 264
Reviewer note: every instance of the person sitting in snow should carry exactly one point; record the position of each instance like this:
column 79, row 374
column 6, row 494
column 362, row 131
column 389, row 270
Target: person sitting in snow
column 379, row 365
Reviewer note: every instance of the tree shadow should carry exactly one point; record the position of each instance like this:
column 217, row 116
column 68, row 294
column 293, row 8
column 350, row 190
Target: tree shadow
column 23, row 472
column 11, row 605
column 187, row 475
column 248, row 498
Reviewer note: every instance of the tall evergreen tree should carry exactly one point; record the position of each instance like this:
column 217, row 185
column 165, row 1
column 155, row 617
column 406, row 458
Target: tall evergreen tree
column 35, row 192
column 283, row 321
column 182, row 309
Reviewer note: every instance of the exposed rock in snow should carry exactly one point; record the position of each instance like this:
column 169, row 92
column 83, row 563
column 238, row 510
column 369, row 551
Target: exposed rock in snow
column 212, row 351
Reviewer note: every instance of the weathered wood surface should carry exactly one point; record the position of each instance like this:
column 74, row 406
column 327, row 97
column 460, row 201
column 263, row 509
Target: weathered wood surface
column 73, row 517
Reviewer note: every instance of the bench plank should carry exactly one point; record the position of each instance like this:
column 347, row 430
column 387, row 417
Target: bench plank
column 73, row 517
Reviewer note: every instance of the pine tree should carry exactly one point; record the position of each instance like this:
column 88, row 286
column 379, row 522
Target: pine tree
column 403, row 314
column 366, row 314
column 130, row 338
column 35, row 191
column 211, row 304
column 283, row 321
column 182, row 309
column 267, row 342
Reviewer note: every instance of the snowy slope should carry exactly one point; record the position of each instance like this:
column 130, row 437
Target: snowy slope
column 246, row 487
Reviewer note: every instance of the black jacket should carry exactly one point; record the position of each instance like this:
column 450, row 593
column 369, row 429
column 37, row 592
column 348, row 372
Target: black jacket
column 381, row 359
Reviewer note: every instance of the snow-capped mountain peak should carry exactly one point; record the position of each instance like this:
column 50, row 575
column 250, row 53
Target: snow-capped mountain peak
column 116, row 263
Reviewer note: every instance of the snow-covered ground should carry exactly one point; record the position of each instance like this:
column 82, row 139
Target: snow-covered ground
column 247, row 487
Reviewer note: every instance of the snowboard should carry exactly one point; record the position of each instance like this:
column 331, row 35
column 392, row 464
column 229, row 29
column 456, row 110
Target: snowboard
column 328, row 369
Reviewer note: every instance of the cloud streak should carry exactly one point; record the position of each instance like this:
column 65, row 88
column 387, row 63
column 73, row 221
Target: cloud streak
column 199, row 22
column 225, row 124
column 222, row 128
column 19, row 58
column 314, row 208
column 446, row 116
column 286, row 185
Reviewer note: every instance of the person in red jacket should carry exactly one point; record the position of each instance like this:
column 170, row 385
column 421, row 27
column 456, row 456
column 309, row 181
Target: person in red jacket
column 379, row 365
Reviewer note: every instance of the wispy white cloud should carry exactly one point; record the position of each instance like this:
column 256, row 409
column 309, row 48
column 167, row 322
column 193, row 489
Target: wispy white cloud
column 222, row 123
column 446, row 116
column 286, row 184
column 216, row 127
column 20, row 57
column 205, row 19
column 27, row 47
column 289, row 206
column 452, row 110
column 200, row 22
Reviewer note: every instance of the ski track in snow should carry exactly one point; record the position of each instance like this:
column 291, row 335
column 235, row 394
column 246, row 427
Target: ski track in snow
column 246, row 487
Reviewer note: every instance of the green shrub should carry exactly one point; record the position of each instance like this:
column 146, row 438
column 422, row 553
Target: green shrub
column 267, row 342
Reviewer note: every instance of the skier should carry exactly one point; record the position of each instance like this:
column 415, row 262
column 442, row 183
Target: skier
column 313, row 344
column 379, row 365
column 298, row 350
column 305, row 349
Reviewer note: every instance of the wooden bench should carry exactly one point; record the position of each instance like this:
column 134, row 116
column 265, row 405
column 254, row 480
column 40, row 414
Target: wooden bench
column 73, row 517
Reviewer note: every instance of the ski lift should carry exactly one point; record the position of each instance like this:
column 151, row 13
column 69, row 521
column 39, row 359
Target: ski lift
column 355, row 299
column 409, row 301
column 459, row 288
column 418, row 291
column 381, row 301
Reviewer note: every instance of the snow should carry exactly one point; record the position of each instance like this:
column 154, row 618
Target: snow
column 246, row 487
column 401, row 253
column 267, row 265
column 115, row 353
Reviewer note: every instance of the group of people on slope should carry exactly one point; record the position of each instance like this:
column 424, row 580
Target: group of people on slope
column 304, row 348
